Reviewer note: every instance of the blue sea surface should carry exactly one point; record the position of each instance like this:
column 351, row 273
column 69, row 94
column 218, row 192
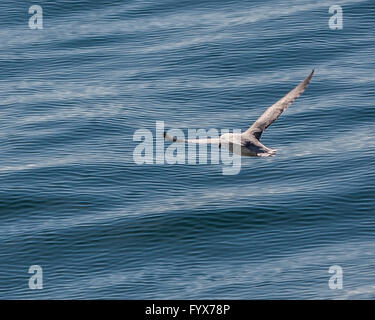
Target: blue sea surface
column 74, row 202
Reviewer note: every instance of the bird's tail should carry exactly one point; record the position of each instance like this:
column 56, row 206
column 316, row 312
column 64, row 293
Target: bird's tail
column 268, row 153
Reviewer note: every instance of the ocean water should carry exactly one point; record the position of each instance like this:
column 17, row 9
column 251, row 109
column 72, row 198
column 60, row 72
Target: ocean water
column 74, row 202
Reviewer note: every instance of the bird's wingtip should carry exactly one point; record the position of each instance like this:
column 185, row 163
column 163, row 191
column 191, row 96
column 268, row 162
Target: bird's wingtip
column 311, row 74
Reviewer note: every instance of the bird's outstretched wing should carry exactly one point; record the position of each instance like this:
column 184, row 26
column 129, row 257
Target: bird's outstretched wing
column 202, row 140
column 274, row 111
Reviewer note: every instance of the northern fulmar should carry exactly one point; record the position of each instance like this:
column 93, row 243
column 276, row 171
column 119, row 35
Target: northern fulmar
column 248, row 143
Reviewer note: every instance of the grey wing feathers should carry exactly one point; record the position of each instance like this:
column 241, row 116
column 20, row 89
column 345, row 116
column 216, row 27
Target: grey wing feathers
column 274, row 111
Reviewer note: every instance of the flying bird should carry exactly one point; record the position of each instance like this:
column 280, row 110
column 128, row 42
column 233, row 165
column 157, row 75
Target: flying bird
column 248, row 143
